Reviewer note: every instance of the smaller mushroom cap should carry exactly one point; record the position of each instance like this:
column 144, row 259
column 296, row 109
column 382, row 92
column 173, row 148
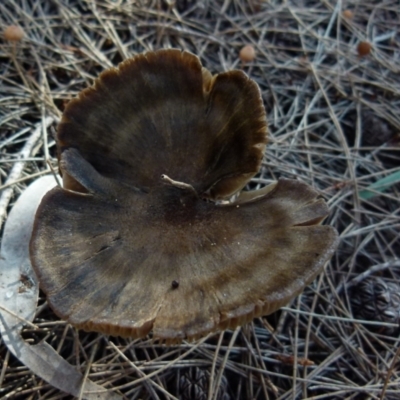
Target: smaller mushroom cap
column 247, row 53
column 162, row 113
column 133, row 242
column 13, row 33
column 348, row 14
column 364, row 48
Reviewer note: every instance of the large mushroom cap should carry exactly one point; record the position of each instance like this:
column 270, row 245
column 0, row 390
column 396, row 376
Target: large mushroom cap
column 121, row 251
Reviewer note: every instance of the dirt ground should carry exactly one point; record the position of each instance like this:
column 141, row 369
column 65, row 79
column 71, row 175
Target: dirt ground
column 329, row 73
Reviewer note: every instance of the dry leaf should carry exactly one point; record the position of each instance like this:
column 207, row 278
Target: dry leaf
column 19, row 294
column 289, row 359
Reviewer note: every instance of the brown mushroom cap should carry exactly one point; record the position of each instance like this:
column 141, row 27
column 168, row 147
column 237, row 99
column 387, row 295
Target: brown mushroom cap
column 161, row 113
column 120, row 251
column 247, row 53
column 13, row 33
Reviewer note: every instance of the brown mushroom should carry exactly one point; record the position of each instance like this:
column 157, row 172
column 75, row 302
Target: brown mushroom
column 13, row 33
column 145, row 234
column 364, row 48
column 247, row 53
column 348, row 14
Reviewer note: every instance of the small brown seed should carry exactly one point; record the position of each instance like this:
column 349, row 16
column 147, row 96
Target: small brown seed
column 364, row 48
column 247, row 53
column 14, row 33
column 348, row 14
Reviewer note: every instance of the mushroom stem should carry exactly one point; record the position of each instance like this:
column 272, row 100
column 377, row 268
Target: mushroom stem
column 177, row 184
